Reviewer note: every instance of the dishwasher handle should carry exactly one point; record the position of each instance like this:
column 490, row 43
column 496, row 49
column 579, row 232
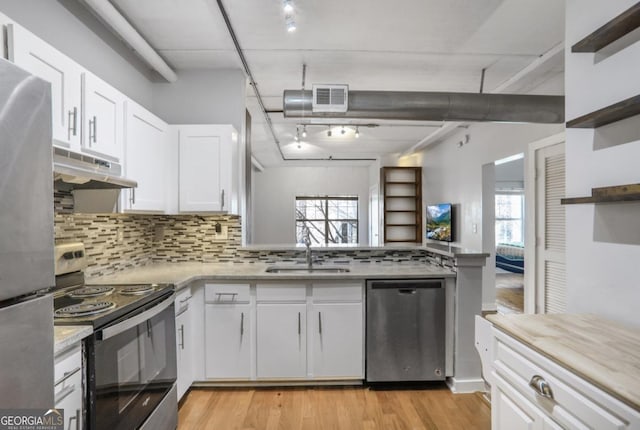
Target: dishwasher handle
column 406, row 286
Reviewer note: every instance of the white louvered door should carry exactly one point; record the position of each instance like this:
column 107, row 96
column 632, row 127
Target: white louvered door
column 550, row 230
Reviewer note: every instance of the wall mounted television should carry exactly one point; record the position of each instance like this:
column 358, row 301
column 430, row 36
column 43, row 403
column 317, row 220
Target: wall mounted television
column 440, row 222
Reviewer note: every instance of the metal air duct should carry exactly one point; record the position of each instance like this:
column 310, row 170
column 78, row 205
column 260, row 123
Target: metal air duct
column 434, row 106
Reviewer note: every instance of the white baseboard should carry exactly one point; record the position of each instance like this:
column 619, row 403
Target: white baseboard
column 458, row 386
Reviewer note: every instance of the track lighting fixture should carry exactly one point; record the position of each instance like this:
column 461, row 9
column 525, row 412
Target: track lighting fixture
column 291, row 24
column 304, row 131
column 343, row 131
column 287, row 5
column 357, row 133
column 329, row 132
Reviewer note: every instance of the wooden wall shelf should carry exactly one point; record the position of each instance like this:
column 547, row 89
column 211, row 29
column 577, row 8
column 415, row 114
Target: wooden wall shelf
column 613, row 30
column 610, row 114
column 620, row 193
column 402, row 198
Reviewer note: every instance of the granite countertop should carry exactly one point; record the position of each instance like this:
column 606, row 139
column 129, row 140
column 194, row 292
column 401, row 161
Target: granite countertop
column 181, row 274
column 66, row 335
column 605, row 353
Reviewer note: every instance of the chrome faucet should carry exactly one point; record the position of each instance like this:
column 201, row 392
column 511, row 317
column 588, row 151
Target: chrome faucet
column 306, row 239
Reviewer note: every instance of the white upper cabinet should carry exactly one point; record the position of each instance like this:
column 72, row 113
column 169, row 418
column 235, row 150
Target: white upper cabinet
column 103, row 117
column 146, row 146
column 208, row 158
column 37, row 57
column 87, row 113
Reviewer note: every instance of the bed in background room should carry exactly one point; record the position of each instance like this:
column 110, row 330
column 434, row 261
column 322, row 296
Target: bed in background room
column 510, row 257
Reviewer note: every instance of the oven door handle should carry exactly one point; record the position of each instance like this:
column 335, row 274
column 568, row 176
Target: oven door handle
column 109, row 332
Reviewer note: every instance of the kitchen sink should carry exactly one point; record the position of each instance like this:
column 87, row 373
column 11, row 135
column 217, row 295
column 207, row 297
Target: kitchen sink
column 314, row 269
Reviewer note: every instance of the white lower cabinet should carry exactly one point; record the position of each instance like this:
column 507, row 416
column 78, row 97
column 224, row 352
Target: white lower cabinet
column 529, row 391
column 282, row 340
column 184, row 342
column 68, row 392
column 228, row 331
column 228, row 341
column 336, row 336
column 283, row 331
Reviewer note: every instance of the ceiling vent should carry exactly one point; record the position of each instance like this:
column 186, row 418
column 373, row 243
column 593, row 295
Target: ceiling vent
column 330, row 98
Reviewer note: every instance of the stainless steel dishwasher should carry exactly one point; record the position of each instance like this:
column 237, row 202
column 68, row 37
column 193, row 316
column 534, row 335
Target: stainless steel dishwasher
column 405, row 330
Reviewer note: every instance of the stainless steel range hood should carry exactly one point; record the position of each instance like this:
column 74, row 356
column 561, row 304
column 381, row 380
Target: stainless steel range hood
column 85, row 172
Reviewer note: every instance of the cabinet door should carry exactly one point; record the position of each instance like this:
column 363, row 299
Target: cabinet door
column 184, row 346
column 228, row 336
column 145, row 159
column 103, row 118
column 68, row 392
column 37, row 57
column 281, row 340
column 336, row 330
column 205, row 168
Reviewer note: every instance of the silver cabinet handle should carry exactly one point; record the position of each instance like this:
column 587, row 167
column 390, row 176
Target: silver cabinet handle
column 72, row 127
column 76, row 417
column 299, row 322
column 92, row 130
column 132, row 196
column 220, row 295
column 181, row 330
column 320, row 322
column 222, row 200
column 67, row 375
column 241, row 324
column 541, row 387
column 186, row 299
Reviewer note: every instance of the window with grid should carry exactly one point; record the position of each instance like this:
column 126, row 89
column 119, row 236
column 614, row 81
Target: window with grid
column 330, row 220
column 510, row 218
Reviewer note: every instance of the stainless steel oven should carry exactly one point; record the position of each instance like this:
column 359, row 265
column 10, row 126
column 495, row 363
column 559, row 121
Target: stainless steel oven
column 132, row 369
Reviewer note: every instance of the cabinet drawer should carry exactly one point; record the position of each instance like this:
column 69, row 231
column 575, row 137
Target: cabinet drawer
column 281, row 293
column 226, row 293
column 337, row 292
column 182, row 300
column 575, row 403
column 68, row 362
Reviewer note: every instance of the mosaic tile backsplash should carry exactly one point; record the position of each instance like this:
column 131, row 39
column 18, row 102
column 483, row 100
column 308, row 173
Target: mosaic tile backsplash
column 116, row 242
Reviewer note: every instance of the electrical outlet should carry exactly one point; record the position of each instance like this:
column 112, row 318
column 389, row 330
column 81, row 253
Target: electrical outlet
column 475, row 227
column 222, row 235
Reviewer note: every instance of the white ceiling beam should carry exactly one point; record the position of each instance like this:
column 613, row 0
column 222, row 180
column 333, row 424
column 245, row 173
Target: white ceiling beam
column 449, row 127
column 118, row 24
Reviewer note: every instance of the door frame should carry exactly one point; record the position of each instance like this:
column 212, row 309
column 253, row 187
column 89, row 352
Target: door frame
column 530, row 191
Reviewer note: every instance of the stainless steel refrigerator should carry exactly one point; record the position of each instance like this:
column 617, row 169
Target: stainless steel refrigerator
column 26, row 240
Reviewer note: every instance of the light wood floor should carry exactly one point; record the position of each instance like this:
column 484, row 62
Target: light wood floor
column 510, row 292
column 351, row 408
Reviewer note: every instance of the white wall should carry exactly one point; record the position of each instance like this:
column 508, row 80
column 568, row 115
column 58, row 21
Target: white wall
column 455, row 174
column 603, row 247
column 275, row 190
column 70, row 28
column 203, row 97
column 510, row 175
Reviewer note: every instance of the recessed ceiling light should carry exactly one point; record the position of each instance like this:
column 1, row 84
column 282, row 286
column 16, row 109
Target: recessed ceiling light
column 287, row 5
column 357, row 133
